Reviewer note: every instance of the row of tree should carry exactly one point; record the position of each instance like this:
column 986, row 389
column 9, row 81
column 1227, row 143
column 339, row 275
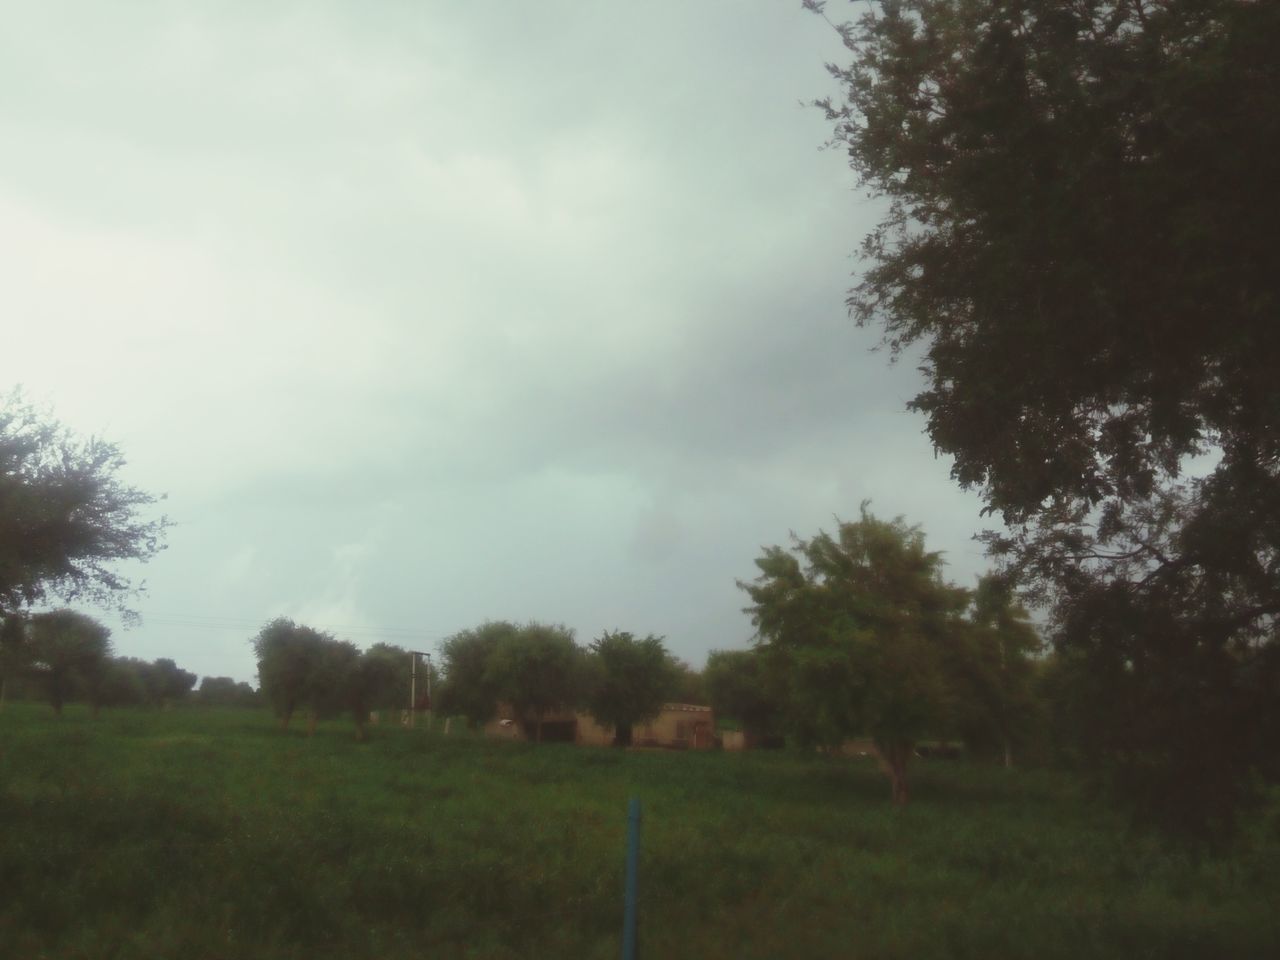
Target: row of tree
column 64, row 656
column 537, row 669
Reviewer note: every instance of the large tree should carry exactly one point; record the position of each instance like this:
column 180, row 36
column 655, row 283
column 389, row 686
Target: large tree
column 631, row 677
column 866, row 632
column 66, row 518
column 1080, row 244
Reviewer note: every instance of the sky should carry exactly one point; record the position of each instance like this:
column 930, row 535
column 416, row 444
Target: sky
column 423, row 314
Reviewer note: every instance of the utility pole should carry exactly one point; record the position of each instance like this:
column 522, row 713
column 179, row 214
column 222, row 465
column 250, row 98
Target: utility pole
column 413, row 685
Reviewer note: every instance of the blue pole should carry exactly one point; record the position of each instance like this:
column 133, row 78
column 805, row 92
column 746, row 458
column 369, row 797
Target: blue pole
column 630, row 911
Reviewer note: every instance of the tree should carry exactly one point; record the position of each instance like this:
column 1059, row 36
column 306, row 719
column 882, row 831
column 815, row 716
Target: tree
column 1080, row 240
column 65, row 517
column 741, row 687
column 689, row 685
column 167, row 683
column 538, row 669
column 288, row 654
column 864, row 629
column 998, row 709
column 631, row 680
column 329, row 687
column 469, row 688
column 374, row 679
column 14, row 653
column 67, row 651
column 226, row 692
column 118, row 684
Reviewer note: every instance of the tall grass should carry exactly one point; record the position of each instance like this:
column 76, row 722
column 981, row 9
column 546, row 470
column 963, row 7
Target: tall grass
column 212, row 834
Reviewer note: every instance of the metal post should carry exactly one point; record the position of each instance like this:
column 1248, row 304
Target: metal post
column 630, row 911
column 431, row 707
column 413, row 686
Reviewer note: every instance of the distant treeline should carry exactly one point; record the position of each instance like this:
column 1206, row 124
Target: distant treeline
column 66, row 657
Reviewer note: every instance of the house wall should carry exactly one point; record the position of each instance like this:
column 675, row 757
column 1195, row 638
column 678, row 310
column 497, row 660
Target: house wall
column 682, row 725
column 679, row 725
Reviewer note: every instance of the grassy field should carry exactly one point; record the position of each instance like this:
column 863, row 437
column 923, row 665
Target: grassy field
column 211, row 834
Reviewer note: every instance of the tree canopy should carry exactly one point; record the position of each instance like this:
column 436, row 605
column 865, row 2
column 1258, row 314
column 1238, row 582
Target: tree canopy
column 538, row 669
column 1080, row 242
column 66, row 650
column 65, row 517
column 631, row 678
column 865, row 632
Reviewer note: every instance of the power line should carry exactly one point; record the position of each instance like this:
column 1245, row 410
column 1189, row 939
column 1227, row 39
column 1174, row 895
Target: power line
column 226, row 623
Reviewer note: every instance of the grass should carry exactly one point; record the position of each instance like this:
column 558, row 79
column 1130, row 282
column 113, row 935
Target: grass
column 211, row 834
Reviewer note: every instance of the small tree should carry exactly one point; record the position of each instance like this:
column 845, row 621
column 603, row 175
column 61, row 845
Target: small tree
column 288, row 654
column 168, row 683
column 328, row 686
column 226, row 692
column 117, row 684
column 538, row 670
column 631, row 679
column 470, row 688
column 67, row 651
column 373, row 680
column 863, row 627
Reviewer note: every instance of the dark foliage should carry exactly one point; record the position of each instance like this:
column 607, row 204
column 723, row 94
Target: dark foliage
column 1081, row 237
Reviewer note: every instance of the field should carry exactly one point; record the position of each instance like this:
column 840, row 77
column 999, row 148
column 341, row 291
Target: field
column 211, row 834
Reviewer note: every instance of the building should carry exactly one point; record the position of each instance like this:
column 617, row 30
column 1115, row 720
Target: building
column 680, row 726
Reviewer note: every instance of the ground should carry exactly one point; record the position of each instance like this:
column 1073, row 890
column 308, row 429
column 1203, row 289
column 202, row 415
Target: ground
column 201, row 833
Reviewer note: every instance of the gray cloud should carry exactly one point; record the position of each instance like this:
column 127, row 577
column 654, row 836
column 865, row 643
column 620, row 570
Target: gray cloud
column 427, row 314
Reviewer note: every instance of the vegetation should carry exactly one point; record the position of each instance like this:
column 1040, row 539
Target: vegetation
column 208, row 833
column 538, row 670
column 66, row 650
column 741, row 688
column 1080, row 239
column 470, row 688
column 65, row 516
column 632, row 679
column 869, row 640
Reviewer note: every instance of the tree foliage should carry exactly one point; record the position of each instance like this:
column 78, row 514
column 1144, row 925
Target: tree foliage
column 1080, row 240
column 469, row 688
column 66, row 651
column 65, row 517
column 865, row 631
column 538, row 669
column 742, row 687
column 631, row 678
column 288, row 654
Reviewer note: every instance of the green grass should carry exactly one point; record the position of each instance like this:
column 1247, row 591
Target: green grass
column 211, row 834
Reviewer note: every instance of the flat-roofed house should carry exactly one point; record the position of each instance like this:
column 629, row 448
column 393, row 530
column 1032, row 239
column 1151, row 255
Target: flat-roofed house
column 679, row 726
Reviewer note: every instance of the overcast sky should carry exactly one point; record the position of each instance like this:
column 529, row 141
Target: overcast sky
column 423, row 314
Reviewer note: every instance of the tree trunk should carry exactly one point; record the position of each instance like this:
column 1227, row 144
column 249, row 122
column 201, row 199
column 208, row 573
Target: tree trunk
column 622, row 735
column 284, row 720
column 1008, row 754
column 312, row 721
column 539, row 730
column 361, row 733
column 893, row 760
